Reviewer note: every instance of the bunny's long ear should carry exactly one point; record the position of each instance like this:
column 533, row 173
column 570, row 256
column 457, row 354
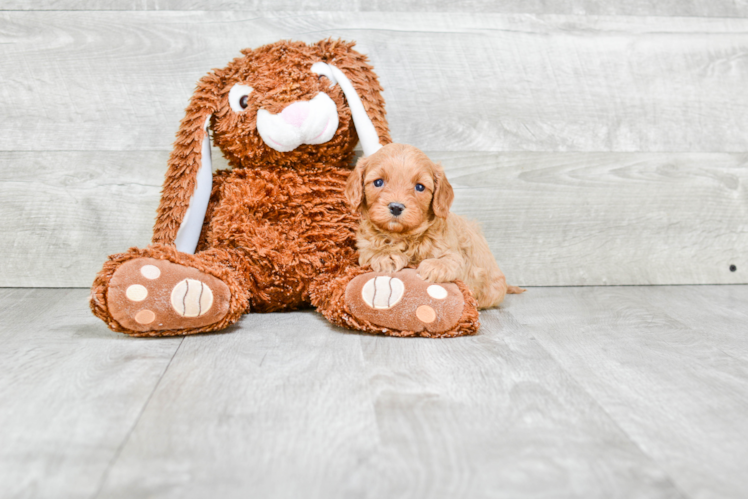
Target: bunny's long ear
column 351, row 70
column 188, row 183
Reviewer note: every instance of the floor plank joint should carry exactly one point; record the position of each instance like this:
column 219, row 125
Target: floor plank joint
column 565, row 392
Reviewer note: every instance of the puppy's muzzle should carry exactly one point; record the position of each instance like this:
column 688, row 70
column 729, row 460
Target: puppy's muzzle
column 396, row 208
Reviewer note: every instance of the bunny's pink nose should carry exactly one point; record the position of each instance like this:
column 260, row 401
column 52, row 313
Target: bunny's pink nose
column 296, row 113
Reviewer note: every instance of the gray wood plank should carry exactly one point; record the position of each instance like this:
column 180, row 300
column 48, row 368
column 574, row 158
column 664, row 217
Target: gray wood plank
column 608, row 219
column 279, row 406
column 594, row 391
column 454, row 81
column 722, row 8
column 718, row 315
column 70, row 392
column 495, row 416
column 284, row 405
column 64, row 212
column 550, row 218
column 680, row 394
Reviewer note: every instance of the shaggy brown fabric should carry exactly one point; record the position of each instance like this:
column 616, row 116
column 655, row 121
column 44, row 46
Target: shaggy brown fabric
column 280, row 74
column 408, row 308
column 278, row 230
column 238, row 304
column 148, row 294
column 330, row 299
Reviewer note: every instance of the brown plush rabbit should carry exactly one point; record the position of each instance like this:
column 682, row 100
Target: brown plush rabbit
column 273, row 233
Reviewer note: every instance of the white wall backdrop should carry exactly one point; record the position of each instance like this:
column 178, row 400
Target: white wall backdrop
column 597, row 143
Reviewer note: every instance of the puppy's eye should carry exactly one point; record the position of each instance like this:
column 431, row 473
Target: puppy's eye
column 420, row 187
column 379, row 183
column 239, row 97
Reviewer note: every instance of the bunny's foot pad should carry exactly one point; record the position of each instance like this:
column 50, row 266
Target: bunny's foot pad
column 404, row 302
column 148, row 294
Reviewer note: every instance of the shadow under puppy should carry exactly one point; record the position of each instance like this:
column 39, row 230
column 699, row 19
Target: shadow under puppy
column 404, row 199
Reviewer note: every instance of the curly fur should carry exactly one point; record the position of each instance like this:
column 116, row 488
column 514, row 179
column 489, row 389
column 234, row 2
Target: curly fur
column 280, row 75
column 278, row 230
column 444, row 246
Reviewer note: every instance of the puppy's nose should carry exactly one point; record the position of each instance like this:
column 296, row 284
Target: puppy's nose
column 396, row 208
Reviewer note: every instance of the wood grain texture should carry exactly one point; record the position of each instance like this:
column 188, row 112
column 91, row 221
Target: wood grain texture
column 608, row 219
column 485, row 416
column 70, row 392
column 677, row 384
column 565, row 392
column 702, row 8
column 550, row 218
column 453, row 81
column 287, row 406
column 63, row 213
column 279, row 406
column 712, row 312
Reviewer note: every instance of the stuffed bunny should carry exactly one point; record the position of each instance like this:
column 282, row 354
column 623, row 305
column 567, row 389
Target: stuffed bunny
column 274, row 232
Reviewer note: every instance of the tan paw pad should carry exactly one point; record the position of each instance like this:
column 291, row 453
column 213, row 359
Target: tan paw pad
column 403, row 301
column 382, row 292
column 145, row 317
column 438, row 292
column 150, row 272
column 136, row 293
column 191, row 298
column 147, row 294
column 426, row 314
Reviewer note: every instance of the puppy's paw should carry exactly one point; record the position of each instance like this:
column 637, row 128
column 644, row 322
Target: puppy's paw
column 390, row 263
column 437, row 271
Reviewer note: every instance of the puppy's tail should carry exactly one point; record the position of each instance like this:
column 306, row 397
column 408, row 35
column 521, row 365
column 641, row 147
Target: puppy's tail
column 515, row 289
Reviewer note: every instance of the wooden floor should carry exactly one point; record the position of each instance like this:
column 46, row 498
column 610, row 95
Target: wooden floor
column 588, row 391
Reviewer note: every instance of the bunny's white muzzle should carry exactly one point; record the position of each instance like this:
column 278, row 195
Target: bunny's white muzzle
column 302, row 122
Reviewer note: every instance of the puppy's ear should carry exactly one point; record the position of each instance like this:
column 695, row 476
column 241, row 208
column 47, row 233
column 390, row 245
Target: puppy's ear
column 444, row 195
column 354, row 189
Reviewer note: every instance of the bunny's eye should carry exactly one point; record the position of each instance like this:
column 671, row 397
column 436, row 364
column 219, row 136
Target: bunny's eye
column 379, row 183
column 239, row 97
column 420, row 187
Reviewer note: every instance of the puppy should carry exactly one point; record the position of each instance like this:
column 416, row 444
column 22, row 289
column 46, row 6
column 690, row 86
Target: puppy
column 404, row 199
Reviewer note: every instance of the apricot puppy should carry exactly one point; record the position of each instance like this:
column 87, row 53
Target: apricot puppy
column 404, row 199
